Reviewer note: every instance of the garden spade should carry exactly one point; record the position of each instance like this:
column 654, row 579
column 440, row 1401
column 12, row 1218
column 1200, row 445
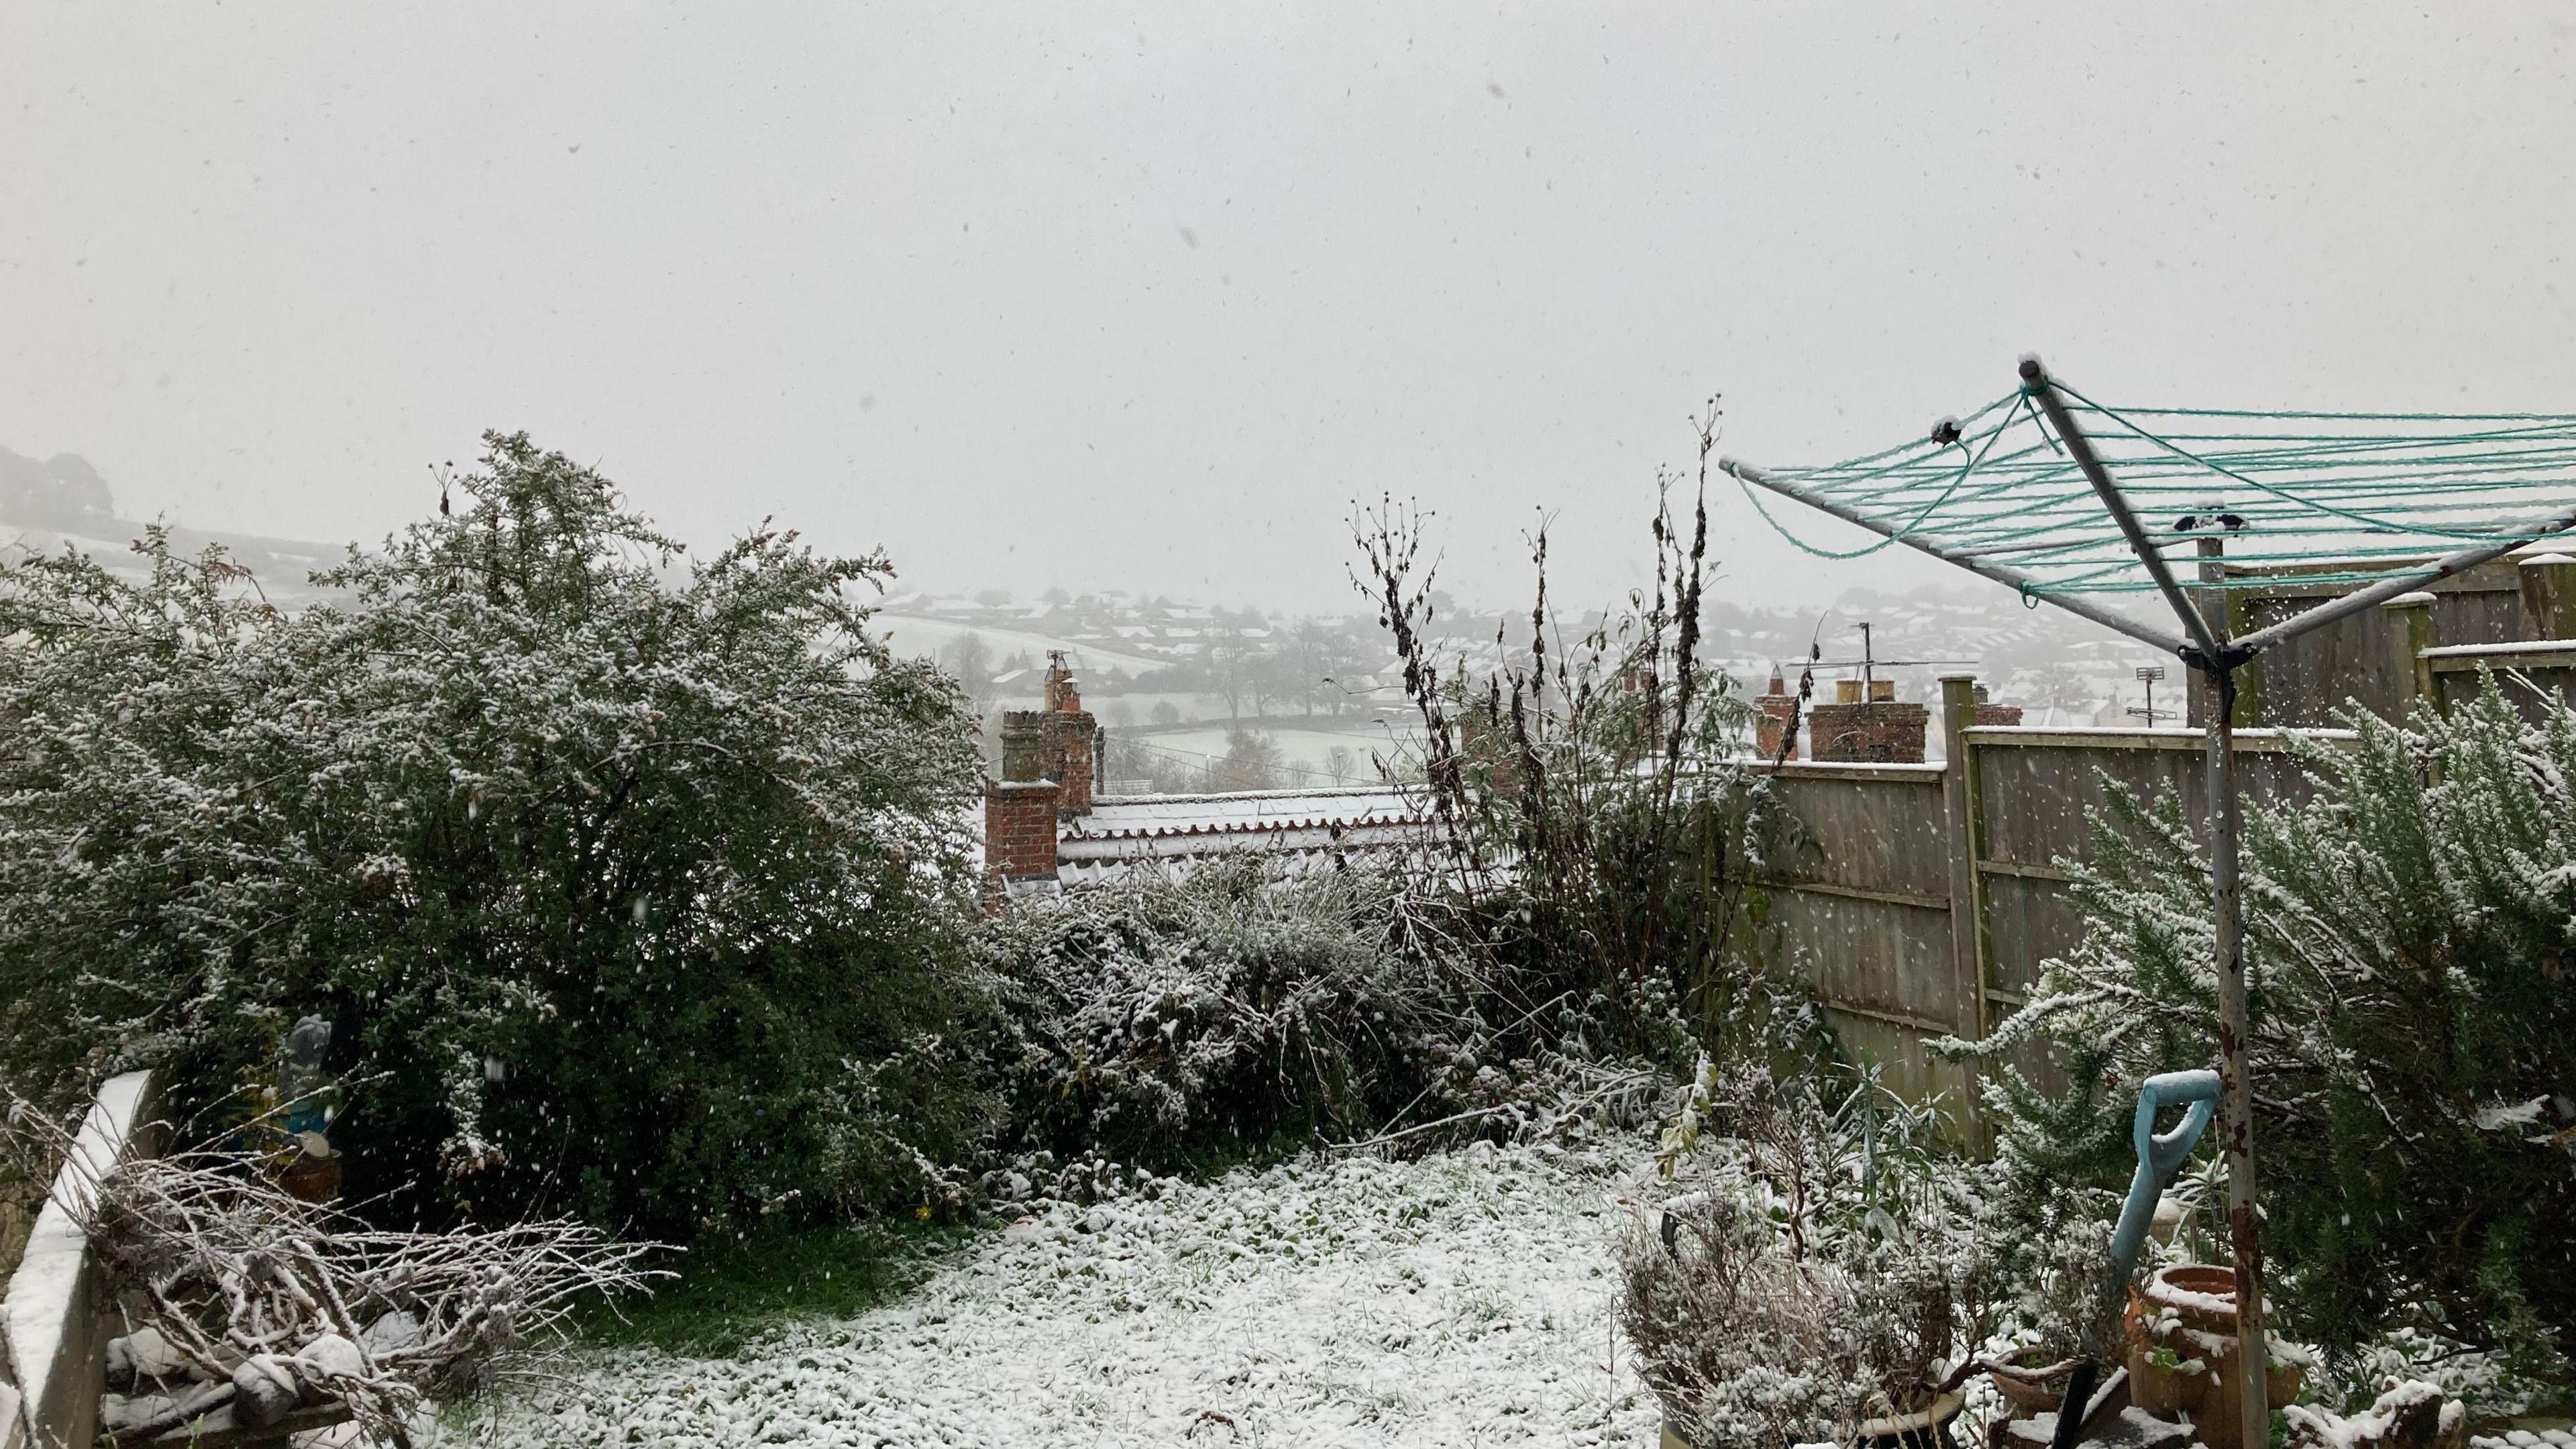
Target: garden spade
column 2160, row 1156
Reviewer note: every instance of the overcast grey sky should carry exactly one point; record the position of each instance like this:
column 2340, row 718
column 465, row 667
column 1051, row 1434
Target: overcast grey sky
column 1064, row 295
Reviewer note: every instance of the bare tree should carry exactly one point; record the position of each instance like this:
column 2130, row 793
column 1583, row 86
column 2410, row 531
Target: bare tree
column 971, row 660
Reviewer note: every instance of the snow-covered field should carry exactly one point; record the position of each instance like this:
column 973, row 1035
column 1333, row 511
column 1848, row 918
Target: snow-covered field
column 1463, row 1299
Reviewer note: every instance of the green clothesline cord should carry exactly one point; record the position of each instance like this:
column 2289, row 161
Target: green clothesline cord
column 2364, row 519
column 1926, row 512
column 2351, row 495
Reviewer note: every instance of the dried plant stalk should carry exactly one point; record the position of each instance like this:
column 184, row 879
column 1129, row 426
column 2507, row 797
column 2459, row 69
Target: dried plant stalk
column 228, row 1265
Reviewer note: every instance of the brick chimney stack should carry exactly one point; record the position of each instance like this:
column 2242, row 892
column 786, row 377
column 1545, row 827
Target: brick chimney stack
column 1019, row 830
column 1049, row 760
column 1872, row 730
column 1073, row 737
column 1779, row 708
column 1995, row 714
column 1020, row 808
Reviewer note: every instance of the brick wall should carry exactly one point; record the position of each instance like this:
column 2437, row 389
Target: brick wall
column 1019, row 829
column 1881, row 733
column 1990, row 713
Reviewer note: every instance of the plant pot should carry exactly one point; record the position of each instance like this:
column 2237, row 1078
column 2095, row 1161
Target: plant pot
column 312, row 1179
column 2202, row 1297
column 2032, row 1380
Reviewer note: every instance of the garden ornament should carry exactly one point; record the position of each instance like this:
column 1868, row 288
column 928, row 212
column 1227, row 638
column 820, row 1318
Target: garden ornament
column 303, row 1086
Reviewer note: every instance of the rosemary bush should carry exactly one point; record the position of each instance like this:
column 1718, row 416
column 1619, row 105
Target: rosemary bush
column 2413, row 1048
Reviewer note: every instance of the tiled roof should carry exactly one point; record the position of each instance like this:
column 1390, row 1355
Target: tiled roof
column 1178, row 827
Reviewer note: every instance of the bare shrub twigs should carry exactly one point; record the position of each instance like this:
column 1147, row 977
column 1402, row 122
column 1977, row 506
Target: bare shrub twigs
column 1590, row 807
column 227, row 1266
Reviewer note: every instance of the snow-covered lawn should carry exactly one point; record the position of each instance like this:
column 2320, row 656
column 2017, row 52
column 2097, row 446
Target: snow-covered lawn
column 1463, row 1299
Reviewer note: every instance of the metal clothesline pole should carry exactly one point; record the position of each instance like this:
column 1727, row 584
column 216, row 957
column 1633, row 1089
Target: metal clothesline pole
column 2034, row 380
column 2211, row 655
column 2235, row 1069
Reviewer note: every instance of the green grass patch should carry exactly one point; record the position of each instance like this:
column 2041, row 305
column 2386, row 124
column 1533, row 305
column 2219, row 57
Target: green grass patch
column 732, row 1291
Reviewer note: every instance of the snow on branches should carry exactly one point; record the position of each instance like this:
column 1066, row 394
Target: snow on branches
column 555, row 825
column 2408, row 930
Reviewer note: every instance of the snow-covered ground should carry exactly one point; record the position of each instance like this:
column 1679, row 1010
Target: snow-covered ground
column 1463, row 1299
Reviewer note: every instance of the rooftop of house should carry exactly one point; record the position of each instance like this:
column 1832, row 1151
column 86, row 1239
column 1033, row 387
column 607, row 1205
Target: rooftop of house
column 1175, row 829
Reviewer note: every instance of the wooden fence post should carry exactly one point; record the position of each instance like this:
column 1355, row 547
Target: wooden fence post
column 2410, row 633
column 2549, row 596
column 2241, row 620
column 1969, row 945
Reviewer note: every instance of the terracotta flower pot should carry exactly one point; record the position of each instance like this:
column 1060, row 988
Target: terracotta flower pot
column 2202, row 1300
column 314, row 1179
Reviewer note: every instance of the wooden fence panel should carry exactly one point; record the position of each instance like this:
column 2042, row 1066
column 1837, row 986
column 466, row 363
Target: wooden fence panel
column 1864, row 905
column 1867, row 827
column 2042, row 785
column 2537, row 678
column 2030, row 921
column 2309, row 680
column 1924, row 900
column 1860, row 909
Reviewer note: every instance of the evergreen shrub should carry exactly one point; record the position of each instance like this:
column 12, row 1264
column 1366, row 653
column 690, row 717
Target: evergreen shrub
column 2408, row 933
column 629, row 888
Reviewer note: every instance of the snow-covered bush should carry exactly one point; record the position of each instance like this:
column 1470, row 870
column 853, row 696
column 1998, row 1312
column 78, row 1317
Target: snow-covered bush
column 1821, row 1268
column 2408, row 936
column 630, row 890
column 1742, row 1343
column 1163, row 1017
column 1165, row 1020
column 2489, row 1383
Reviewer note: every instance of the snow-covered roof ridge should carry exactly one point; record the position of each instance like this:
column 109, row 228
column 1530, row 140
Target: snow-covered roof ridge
column 1316, row 792
column 1249, row 813
column 1289, row 823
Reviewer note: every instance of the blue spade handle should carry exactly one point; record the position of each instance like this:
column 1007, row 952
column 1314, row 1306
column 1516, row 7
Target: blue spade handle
column 2159, row 1156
